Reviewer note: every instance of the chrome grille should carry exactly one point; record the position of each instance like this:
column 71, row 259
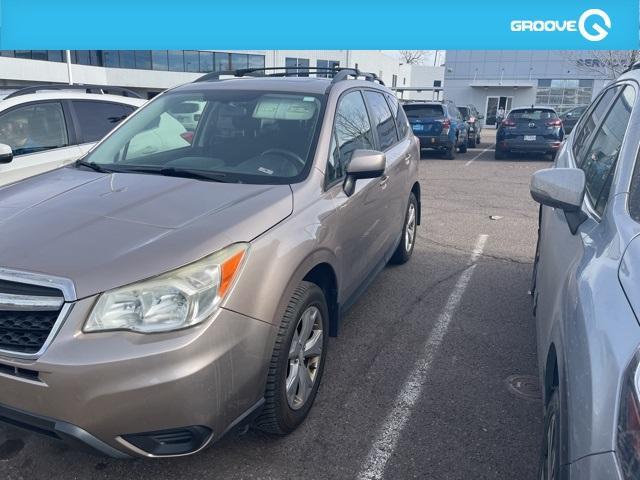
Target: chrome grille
column 29, row 314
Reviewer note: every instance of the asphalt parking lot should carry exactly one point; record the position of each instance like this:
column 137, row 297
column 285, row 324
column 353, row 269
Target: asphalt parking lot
column 416, row 384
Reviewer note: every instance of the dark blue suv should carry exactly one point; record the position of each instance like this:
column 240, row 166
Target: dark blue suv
column 439, row 126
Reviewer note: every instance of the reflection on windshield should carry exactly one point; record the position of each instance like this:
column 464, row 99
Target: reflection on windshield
column 252, row 137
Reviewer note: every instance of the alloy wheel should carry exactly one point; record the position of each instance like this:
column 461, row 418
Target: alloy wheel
column 410, row 229
column 305, row 354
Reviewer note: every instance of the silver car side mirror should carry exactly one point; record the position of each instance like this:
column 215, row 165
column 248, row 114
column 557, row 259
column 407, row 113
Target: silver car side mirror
column 364, row 164
column 561, row 188
column 6, row 154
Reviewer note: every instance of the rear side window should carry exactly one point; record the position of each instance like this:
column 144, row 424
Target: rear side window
column 96, row 119
column 383, row 119
column 533, row 114
column 352, row 131
column 401, row 119
column 601, row 157
column 423, row 111
column 590, row 123
column 34, row 128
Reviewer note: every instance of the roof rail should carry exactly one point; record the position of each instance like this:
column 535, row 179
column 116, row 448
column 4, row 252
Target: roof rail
column 633, row 66
column 97, row 89
column 339, row 73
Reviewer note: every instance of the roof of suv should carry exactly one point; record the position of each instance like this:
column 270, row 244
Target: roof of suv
column 316, row 85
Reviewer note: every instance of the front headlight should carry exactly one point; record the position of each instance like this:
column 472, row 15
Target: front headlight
column 174, row 300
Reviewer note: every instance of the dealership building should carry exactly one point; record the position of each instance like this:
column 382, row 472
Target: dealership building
column 148, row 72
column 493, row 79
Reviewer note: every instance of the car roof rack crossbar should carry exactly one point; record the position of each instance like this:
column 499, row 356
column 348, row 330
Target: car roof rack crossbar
column 97, row 89
column 345, row 73
column 338, row 73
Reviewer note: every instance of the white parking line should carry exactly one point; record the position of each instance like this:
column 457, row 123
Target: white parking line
column 387, row 438
column 479, row 155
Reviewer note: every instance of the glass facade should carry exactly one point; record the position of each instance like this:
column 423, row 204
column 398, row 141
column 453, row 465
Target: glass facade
column 564, row 94
column 327, row 64
column 197, row 61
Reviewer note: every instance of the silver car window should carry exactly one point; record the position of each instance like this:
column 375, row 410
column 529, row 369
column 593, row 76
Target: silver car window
column 601, row 158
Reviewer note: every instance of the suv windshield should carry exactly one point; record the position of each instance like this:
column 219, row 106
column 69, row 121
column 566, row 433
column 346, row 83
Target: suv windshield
column 533, row 114
column 422, row 111
column 224, row 135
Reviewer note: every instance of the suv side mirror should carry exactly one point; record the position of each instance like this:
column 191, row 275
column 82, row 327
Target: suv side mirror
column 480, row 117
column 6, row 154
column 364, row 164
column 561, row 188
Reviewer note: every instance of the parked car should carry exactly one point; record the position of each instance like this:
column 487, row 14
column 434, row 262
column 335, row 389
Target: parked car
column 51, row 126
column 474, row 122
column 586, row 293
column 571, row 117
column 151, row 303
column 439, row 126
column 529, row 130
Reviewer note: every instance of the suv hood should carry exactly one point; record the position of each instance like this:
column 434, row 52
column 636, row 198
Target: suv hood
column 104, row 231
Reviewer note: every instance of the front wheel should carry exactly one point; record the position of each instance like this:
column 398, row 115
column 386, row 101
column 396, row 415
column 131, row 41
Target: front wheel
column 550, row 455
column 408, row 240
column 297, row 362
column 500, row 155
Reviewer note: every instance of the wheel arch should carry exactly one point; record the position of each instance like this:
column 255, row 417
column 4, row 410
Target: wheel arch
column 551, row 374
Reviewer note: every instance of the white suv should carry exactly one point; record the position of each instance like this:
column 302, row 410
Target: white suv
column 43, row 128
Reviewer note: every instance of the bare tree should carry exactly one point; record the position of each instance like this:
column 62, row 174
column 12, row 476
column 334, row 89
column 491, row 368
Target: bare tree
column 607, row 63
column 412, row 57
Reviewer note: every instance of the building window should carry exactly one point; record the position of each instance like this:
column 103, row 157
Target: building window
column 564, row 94
column 159, row 60
column 222, row 61
column 191, row 61
column 206, row 62
column 326, row 64
column 143, row 59
column 176, row 60
column 110, row 58
column 55, row 56
column 22, row 54
column 239, row 60
column 292, row 63
column 127, row 59
column 256, row 61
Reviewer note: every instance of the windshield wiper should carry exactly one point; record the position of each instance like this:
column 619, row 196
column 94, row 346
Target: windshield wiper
column 176, row 172
column 93, row 166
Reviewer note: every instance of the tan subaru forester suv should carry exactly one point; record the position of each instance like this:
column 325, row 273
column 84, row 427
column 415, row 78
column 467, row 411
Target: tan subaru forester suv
column 152, row 299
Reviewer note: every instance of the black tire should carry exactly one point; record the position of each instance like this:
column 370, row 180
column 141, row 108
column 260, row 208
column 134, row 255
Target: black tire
column 464, row 145
column 500, row 155
column 450, row 153
column 550, row 464
column 478, row 141
column 402, row 254
column 277, row 416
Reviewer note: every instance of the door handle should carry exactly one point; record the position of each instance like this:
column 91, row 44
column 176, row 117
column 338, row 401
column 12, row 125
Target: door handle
column 383, row 181
column 407, row 157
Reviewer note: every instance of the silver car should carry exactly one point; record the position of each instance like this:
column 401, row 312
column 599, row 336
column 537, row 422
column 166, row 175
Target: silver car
column 153, row 298
column 586, row 293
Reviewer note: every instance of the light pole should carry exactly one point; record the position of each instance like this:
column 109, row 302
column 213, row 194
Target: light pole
column 70, row 74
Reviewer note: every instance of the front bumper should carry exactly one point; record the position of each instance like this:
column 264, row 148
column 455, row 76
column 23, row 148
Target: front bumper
column 538, row 146
column 104, row 388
